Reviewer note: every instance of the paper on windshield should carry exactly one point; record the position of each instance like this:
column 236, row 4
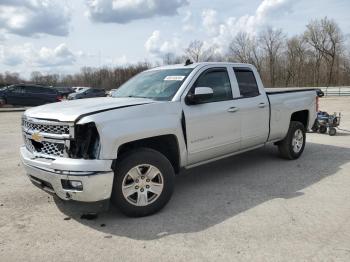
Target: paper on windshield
column 174, row 78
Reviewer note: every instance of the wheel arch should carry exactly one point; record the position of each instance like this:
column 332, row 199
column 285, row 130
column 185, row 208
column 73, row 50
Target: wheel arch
column 168, row 145
column 301, row 116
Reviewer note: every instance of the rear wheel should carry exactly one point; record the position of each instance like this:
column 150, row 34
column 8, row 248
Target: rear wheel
column 292, row 146
column 323, row 129
column 143, row 182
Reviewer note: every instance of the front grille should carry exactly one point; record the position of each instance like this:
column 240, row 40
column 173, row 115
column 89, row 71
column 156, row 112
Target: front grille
column 46, row 138
column 53, row 149
column 44, row 147
column 51, row 128
column 28, row 143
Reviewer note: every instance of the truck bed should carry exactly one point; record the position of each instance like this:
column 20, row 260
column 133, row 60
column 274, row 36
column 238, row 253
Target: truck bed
column 285, row 101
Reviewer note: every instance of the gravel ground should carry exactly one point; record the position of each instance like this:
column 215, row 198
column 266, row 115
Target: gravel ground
column 251, row 207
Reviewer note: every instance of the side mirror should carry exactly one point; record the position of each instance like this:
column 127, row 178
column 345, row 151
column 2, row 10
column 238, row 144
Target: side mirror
column 200, row 94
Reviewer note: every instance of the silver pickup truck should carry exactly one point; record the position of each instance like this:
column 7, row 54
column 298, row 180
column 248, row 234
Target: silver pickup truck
column 127, row 148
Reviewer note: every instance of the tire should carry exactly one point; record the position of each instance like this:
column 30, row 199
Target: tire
column 323, row 129
column 332, row 131
column 2, row 102
column 133, row 183
column 314, row 129
column 296, row 134
column 315, row 126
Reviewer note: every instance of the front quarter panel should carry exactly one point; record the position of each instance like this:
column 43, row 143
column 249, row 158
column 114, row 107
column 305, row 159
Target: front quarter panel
column 119, row 126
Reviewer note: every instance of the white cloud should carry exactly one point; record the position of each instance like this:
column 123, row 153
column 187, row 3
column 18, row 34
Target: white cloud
column 45, row 57
column 210, row 21
column 155, row 45
column 118, row 61
column 61, row 55
column 187, row 22
column 2, row 36
column 34, row 17
column 14, row 55
column 124, row 11
column 222, row 32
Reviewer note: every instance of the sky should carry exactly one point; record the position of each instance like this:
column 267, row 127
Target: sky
column 61, row 36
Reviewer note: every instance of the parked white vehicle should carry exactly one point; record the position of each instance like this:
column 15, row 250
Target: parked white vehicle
column 128, row 148
column 79, row 89
column 110, row 92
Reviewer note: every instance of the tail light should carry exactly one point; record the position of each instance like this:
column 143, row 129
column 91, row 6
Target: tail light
column 59, row 98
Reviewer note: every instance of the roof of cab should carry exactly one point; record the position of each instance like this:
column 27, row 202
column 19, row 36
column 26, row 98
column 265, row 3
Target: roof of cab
column 194, row 65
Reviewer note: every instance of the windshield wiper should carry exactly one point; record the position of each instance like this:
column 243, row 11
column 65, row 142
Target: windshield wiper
column 138, row 96
column 131, row 96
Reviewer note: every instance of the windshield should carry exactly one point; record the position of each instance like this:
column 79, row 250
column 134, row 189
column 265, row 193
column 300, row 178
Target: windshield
column 155, row 84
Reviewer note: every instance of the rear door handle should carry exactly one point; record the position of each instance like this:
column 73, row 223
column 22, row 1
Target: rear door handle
column 232, row 109
column 262, row 105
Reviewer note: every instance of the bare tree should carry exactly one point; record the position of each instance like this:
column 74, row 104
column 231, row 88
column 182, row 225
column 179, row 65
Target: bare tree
column 272, row 42
column 12, row 78
column 240, row 48
column 245, row 49
column 198, row 53
column 171, row 59
column 295, row 59
column 326, row 38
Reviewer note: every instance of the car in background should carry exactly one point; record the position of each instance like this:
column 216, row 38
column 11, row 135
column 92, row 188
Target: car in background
column 28, row 95
column 110, row 92
column 78, row 89
column 89, row 93
column 65, row 91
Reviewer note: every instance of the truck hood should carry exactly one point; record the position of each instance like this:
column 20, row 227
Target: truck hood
column 69, row 111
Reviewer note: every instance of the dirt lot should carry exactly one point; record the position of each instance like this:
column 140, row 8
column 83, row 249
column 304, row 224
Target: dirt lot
column 251, row 207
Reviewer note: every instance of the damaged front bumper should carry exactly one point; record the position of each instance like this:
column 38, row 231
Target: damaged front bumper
column 93, row 179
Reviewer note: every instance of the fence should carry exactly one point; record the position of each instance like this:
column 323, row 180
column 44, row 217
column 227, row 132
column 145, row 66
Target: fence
column 336, row 90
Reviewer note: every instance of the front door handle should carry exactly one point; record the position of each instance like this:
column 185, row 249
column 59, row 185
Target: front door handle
column 232, row 109
column 262, row 105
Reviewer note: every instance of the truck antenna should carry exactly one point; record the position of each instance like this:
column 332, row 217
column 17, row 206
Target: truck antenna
column 188, row 62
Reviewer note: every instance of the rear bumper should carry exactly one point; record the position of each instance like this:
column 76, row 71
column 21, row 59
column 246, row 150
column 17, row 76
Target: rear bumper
column 96, row 176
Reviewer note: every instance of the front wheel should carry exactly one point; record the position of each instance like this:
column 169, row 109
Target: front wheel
column 143, row 182
column 292, row 146
column 332, row 131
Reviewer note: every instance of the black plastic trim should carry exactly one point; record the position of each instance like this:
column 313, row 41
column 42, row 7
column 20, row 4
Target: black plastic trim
column 183, row 126
column 288, row 91
column 268, row 136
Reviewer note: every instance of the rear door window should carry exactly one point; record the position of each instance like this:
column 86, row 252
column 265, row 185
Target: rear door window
column 246, row 82
column 33, row 89
column 18, row 89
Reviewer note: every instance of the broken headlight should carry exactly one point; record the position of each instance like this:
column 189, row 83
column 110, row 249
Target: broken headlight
column 86, row 143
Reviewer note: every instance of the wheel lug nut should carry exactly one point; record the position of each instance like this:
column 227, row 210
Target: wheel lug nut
column 147, row 186
column 136, row 187
column 142, row 177
column 136, row 180
column 147, row 180
column 141, row 189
